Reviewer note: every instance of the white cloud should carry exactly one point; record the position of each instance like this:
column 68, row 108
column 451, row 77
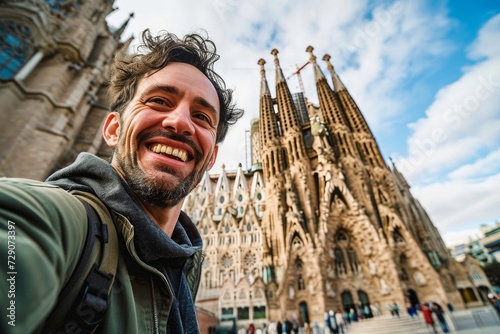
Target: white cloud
column 454, row 205
column 388, row 56
column 486, row 44
column 479, row 168
column 459, row 139
column 456, row 238
column 464, row 119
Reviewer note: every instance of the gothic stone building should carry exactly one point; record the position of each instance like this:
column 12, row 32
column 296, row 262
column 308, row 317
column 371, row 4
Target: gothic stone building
column 54, row 57
column 320, row 222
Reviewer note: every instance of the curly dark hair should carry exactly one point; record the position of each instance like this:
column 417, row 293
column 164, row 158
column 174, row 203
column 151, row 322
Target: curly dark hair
column 194, row 49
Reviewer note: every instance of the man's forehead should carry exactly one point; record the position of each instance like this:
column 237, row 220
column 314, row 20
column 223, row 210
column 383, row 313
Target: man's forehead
column 177, row 70
column 179, row 78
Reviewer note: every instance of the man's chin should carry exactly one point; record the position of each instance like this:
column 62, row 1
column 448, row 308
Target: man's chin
column 165, row 175
column 158, row 193
column 167, row 182
column 161, row 186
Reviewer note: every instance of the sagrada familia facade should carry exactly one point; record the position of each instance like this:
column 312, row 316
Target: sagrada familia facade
column 319, row 222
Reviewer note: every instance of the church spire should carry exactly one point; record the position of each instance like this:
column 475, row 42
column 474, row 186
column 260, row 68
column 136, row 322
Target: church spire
column 354, row 116
column 119, row 31
column 268, row 124
column 264, row 87
column 318, row 74
column 268, row 128
column 279, row 73
column 399, row 177
column 332, row 112
column 289, row 121
column 363, row 136
column 337, row 83
column 287, row 110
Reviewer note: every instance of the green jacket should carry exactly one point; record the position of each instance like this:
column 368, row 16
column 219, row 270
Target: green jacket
column 42, row 232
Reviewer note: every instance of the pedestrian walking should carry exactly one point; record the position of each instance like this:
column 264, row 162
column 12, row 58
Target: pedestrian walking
column 429, row 320
column 333, row 323
column 438, row 310
column 412, row 311
column 339, row 317
column 395, row 310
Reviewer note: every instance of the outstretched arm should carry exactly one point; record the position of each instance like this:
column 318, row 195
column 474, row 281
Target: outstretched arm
column 42, row 232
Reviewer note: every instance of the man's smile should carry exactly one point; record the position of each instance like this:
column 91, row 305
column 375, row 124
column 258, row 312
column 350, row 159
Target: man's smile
column 177, row 153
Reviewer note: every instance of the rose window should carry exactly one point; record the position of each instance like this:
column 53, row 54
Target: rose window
column 250, row 259
column 227, row 260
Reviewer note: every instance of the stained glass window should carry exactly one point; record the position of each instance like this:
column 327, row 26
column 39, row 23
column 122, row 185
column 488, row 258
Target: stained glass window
column 16, row 46
column 61, row 5
column 227, row 260
column 250, row 259
column 54, row 4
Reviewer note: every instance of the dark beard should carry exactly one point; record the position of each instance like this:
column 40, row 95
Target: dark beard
column 153, row 191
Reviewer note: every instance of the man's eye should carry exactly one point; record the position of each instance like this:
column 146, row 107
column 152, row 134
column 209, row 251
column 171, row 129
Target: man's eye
column 157, row 100
column 204, row 118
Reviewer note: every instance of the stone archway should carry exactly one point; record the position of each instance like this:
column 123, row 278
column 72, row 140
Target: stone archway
column 304, row 312
column 347, row 301
column 412, row 297
column 364, row 304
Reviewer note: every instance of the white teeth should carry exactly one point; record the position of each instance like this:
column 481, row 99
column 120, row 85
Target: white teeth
column 159, row 148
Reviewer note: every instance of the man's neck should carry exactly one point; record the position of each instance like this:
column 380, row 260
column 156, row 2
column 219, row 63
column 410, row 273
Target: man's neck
column 165, row 218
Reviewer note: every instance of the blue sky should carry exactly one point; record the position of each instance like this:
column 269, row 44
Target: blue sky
column 425, row 74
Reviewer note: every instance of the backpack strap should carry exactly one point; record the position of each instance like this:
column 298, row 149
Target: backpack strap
column 83, row 301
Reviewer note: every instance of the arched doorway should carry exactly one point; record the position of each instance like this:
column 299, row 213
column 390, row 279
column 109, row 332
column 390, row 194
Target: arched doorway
column 412, row 297
column 364, row 304
column 304, row 313
column 347, row 301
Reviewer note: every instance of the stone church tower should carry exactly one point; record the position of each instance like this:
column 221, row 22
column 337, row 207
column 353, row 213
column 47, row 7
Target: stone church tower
column 54, row 57
column 319, row 222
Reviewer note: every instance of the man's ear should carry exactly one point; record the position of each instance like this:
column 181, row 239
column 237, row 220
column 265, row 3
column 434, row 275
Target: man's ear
column 111, row 129
column 214, row 157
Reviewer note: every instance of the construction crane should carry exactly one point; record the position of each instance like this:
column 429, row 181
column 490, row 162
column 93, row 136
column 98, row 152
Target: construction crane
column 297, row 73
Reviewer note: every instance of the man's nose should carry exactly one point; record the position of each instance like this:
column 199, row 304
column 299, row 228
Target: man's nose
column 179, row 120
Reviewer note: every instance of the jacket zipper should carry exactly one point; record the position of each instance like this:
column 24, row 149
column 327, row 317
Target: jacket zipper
column 156, row 272
column 155, row 313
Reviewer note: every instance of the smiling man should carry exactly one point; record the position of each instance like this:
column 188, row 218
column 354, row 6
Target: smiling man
column 169, row 111
column 165, row 139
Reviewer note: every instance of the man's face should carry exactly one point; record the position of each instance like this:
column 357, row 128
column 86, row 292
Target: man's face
column 166, row 137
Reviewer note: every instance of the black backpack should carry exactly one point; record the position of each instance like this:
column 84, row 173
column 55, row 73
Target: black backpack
column 83, row 302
